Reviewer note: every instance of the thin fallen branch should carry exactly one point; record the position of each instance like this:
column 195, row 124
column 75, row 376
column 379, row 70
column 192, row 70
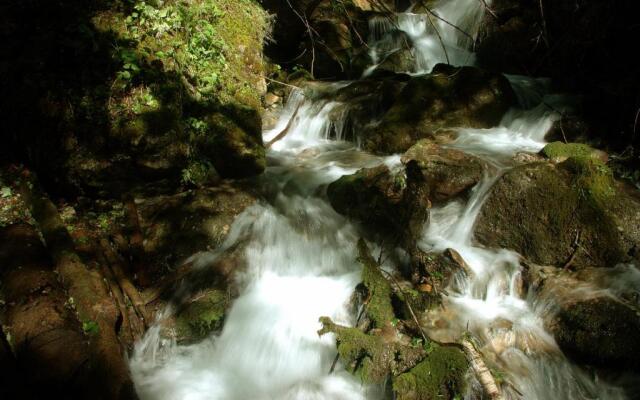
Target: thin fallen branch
column 284, row 132
column 282, row 83
column 136, row 240
column 576, row 246
column 489, row 10
column 167, row 283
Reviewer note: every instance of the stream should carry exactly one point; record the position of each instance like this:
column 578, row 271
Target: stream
column 301, row 258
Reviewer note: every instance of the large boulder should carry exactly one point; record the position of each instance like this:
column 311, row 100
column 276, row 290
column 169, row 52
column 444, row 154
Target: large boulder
column 591, row 313
column 176, row 227
column 449, row 97
column 395, row 201
column 448, row 172
column 569, row 212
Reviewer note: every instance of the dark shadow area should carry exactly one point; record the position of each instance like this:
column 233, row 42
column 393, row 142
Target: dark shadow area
column 61, row 84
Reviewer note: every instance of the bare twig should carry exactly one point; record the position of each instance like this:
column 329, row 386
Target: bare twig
column 282, row 83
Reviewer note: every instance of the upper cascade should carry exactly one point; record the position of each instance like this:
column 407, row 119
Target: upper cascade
column 422, row 37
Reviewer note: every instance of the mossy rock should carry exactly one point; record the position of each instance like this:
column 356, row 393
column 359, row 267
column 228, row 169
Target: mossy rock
column 234, row 145
column 203, row 315
column 439, row 376
column 449, row 172
column 600, row 331
column 449, row 97
column 542, row 209
column 395, row 202
column 373, row 356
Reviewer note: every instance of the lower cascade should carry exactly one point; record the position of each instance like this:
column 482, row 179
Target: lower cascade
column 301, row 265
column 300, row 253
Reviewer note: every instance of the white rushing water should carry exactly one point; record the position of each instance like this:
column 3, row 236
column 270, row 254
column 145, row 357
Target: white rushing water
column 301, row 263
column 447, row 34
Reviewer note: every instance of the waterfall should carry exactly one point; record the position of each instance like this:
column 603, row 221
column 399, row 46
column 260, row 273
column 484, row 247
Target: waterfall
column 446, row 35
column 301, row 259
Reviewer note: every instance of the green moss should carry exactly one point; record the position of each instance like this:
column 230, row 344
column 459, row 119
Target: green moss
column 593, row 178
column 561, row 150
column 379, row 307
column 439, row 376
column 371, row 357
column 202, row 316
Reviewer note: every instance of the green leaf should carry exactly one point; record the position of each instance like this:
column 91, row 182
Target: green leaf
column 5, row 192
column 90, row 327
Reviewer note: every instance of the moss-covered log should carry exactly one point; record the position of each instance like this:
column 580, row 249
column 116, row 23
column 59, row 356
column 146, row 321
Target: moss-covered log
column 94, row 308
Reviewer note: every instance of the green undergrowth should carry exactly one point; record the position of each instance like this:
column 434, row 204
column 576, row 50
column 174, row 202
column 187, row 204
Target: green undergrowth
column 214, row 45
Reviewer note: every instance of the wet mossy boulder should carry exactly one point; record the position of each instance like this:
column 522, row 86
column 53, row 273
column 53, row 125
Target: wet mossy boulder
column 599, row 331
column 571, row 213
column 449, row 97
column 396, row 201
column 441, row 375
column 448, row 172
column 594, row 313
column 202, row 315
column 234, row 145
column 177, row 226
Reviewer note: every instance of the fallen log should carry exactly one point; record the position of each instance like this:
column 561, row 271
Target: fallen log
column 48, row 343
column 95, row 309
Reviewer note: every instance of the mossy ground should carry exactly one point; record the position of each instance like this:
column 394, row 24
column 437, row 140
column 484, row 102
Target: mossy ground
column 439, row 376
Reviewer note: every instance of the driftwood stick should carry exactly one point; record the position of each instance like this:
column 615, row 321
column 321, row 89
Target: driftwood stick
column 167, row 283
column 482, row 372
column 284, row 132
column 124, row 282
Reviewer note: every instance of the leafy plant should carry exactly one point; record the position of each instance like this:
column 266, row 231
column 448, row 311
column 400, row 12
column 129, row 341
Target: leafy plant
column 90, row 328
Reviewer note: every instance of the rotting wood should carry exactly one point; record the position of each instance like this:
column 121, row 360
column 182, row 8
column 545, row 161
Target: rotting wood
column 167, row 283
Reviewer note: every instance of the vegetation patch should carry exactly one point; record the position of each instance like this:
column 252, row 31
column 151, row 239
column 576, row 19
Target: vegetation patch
column 439, row 376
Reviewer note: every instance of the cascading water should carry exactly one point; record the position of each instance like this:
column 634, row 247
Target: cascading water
column 301, row 261
column 447, row 34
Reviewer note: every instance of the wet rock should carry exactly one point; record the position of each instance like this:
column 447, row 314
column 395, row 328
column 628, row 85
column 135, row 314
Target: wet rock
column 437, row 268
column 449, row 97
column 239, row 152
column 569, row 214
column 397, row 52
column 202, row 314
column 178, row 226
column 587, row 315
column 395, row 201
column 448, row 172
